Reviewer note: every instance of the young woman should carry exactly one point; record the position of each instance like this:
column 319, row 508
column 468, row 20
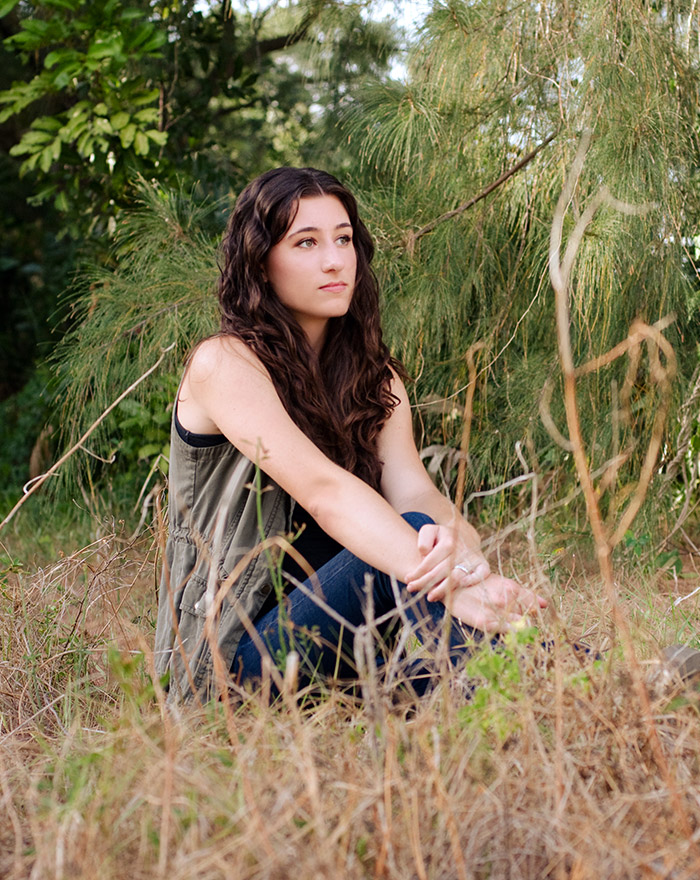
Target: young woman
column 294, row 421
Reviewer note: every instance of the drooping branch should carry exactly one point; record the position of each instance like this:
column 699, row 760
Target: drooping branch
column 412, row 238
column 40, row 480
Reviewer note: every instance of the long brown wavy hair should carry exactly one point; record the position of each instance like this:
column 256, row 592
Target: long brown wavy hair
column 341, row 398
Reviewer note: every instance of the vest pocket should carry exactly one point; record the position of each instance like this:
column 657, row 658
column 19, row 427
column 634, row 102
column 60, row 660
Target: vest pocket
column 193, row 597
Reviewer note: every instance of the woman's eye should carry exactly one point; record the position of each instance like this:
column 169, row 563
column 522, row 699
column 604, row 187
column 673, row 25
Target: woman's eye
column 305, row 243
column 344, row 239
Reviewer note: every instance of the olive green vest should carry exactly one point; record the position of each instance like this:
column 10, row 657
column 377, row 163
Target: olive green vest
column 214, row 575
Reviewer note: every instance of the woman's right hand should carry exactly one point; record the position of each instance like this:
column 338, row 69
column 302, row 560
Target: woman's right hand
column 447, row 553
column 495, row 605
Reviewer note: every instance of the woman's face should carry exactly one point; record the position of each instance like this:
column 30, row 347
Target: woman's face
column 312, row 267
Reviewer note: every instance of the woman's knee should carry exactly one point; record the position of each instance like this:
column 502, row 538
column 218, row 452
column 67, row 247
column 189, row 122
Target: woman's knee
column 417, row 519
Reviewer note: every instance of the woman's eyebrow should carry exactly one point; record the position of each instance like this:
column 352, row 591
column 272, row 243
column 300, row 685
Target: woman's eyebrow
column 316, row 228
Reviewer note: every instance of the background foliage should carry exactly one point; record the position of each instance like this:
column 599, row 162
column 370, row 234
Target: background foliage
column 194, row 98
column 490, row 88
column 489, row 82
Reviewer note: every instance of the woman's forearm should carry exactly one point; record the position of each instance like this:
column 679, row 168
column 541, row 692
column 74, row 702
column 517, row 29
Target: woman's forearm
column 361, row 520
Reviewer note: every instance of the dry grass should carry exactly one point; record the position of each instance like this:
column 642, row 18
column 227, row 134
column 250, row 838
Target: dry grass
column 547, row 772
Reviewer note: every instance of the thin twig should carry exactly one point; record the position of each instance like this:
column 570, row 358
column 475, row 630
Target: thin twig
column 635, row 336
column 39, row 481
column 467, row 423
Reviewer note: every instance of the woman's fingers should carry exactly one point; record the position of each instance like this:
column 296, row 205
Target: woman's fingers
column 495, row 605
column 427, row 538
column 467, row 565
column 461, row 575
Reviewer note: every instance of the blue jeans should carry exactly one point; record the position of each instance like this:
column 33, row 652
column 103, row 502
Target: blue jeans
column 358, row 622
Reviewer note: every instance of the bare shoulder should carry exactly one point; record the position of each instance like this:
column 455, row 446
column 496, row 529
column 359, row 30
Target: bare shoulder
column 219, row 358
column 223, row 375
column 398, row 388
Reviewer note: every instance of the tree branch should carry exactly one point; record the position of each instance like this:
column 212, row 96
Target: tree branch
column 412, row 238
column 274, row 44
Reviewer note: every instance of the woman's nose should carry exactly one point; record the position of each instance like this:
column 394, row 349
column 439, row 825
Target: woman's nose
column 332, row 259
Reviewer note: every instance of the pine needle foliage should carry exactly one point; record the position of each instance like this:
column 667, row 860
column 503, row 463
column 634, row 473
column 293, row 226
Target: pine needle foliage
column 488, row 82
column 158, row 293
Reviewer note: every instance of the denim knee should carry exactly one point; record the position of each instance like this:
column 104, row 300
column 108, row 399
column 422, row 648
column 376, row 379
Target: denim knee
column 416, row 519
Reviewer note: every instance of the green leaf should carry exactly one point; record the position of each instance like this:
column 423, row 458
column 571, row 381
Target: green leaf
column 73, row 5
column 32, row 35
column 149, row 450
column 152, row 45
column 85, row 143
column 141, row 144
column 126, row 135
column 46, row 159
column 101, row 109
column 6, row 113
column 21, row 148
column 149, row 114
column 119, row 120
column 29, row 164
column 59, row 55
column 79, row 108
column 44, row 194
column 7, row 7
column 159, row 137
column 140, row 34
column 47, row 123
column 102, row 125
column 74, row 128
column 65, row 74
column 145, row 97
column 112, row 47
column 35, row 137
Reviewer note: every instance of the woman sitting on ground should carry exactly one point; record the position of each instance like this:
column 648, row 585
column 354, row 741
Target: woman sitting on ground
column 293, row 421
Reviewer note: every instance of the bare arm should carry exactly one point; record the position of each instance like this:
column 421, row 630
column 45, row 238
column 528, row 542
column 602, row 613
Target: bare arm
column 407, row 486
column 226, row 389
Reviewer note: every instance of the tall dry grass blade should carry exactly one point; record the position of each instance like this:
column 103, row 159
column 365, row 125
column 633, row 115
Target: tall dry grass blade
column 560, row 271
column 467, row 422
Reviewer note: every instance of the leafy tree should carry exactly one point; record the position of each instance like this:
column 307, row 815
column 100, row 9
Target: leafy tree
column 166, row 90
column 199, row 98
column 494, row 93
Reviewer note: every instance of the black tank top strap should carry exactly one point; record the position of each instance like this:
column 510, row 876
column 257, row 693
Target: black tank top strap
column 200, row 441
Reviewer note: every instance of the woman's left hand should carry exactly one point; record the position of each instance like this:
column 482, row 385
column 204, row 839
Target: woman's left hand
column 447, row 559
column 497, row 604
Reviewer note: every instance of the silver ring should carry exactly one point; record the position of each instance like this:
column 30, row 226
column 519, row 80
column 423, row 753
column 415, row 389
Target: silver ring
column 468, row 571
